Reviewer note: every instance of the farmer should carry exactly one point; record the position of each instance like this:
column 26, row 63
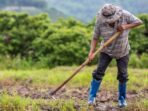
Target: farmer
column 111, row 19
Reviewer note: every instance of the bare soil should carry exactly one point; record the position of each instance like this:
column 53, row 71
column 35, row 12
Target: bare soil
column 106, row 100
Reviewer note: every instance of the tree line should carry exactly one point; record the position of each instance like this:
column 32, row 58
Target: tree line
column 64, row 42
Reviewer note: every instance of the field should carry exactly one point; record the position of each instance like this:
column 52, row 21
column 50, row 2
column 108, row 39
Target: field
column 28, row 90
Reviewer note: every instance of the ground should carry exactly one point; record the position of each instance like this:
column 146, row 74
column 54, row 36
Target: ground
column 29, row 90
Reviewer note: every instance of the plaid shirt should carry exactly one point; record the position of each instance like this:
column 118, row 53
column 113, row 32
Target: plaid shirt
column 120, row 47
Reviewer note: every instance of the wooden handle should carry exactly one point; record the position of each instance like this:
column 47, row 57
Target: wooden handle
column 74, row 73
column 87, row 61
column 107, row 42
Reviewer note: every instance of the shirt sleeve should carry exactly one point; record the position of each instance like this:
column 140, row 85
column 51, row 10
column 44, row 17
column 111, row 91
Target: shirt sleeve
column 96, row 32
column 131, row 18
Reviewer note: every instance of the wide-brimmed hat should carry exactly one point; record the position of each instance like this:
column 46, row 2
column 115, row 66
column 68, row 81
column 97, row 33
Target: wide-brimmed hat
column 110, row 13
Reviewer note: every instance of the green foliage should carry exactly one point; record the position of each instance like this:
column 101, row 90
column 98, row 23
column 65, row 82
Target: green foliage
column 37, row 40
column 135, row 61
column 58, row 43
column 144, row 60
column 139, row 62
column 139, row 36
column 21, row 30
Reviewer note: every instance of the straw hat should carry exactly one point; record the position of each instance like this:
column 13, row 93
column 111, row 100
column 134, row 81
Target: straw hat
column 110, row 13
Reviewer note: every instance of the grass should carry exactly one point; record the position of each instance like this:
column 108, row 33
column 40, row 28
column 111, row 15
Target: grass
column 138, row 81
column 55, row 76
column 141, row 105
column 17, row 103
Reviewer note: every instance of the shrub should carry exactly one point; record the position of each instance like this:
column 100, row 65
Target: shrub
column 64, row 42
column 144, row 60
column 134, row 61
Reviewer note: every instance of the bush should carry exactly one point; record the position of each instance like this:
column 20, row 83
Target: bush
column 144, row 60
column 134, row 61
column 64, row 42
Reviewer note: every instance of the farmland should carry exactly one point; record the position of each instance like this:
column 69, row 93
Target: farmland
column 28, row 90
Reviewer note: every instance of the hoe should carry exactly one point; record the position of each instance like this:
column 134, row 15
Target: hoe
column 112, row 38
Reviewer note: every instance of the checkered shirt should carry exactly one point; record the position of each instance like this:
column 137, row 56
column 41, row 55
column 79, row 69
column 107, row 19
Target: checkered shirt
column 120, row 47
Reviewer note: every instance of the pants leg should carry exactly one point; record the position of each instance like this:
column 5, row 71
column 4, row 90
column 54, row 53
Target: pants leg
column 122, row 65
column 98, row 74
column 122, row 76
column 104, row 61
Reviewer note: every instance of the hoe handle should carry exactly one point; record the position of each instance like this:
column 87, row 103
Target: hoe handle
column 112, row 38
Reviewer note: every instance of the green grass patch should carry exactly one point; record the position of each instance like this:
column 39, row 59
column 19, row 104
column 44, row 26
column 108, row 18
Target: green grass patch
column 55, row 76
column 16, row 103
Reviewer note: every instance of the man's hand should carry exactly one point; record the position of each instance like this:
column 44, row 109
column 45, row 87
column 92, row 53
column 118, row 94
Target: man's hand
column 91, row 56
column 93, row 46
column 121, row 28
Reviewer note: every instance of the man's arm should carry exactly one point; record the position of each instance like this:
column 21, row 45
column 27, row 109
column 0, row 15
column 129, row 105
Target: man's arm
column 95, row 38
column 92, row 49
column 128, row 26
column 132, row 21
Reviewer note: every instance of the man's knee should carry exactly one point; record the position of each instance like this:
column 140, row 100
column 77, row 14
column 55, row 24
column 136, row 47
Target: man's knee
column 98, row 75
column 103, row 63
column 122, row 77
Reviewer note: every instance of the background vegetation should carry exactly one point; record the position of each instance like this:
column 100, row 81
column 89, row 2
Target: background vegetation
column 36, row 41
column 31, row 42
column 27, row 90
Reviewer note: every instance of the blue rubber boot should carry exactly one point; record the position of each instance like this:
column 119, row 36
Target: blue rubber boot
column 122, row 94
column 93, row 91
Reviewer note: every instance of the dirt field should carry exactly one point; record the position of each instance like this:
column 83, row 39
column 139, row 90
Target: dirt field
column 25, row 94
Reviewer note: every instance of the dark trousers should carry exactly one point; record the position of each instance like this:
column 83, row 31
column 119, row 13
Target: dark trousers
column 103, row 63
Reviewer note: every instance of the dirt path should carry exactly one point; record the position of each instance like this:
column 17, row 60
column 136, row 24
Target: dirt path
column 106, row 100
